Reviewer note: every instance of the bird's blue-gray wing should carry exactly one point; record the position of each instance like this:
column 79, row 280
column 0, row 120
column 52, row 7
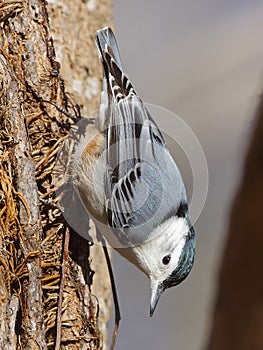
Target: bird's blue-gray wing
column 136, row 155
column 133, row 182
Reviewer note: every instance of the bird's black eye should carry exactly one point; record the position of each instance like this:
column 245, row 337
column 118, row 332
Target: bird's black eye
column 166, row 259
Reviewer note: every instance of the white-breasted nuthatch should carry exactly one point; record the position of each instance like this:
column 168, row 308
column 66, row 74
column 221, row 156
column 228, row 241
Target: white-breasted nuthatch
column 130, row 184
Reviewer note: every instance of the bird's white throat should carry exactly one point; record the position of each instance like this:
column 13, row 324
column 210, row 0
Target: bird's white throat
column 169, row 237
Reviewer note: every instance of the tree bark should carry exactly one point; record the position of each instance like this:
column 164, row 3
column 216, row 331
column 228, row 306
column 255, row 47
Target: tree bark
column 238, row 314
column 46, row 277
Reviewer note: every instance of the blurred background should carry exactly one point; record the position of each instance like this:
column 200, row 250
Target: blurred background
column 203, row 60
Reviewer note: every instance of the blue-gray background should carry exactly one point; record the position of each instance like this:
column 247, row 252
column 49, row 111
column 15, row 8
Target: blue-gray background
column 203, row 60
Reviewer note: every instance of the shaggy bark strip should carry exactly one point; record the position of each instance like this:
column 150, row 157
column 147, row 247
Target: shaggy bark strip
column 33, row 336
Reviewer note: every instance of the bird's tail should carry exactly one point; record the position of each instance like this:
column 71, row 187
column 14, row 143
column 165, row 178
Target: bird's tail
column 106, row 41
column 107, row 45
column 115, row 84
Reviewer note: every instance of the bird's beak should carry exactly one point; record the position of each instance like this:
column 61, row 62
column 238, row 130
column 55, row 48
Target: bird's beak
column 157, row 290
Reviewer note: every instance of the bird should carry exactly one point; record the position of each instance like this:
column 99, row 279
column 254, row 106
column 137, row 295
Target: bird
column 129, row 183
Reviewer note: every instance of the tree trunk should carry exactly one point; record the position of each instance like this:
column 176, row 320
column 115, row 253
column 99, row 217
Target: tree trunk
column 45, row 273
column 238, row 315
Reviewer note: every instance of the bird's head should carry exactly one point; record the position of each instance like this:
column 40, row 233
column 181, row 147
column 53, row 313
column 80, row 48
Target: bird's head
column 168, row 258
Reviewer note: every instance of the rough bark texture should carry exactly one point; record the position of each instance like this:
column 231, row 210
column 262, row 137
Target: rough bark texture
column 238, row 315
column 46, row 280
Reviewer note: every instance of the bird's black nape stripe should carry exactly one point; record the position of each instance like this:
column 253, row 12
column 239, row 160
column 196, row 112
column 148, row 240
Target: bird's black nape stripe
column 184, row 266
column 182, row 210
